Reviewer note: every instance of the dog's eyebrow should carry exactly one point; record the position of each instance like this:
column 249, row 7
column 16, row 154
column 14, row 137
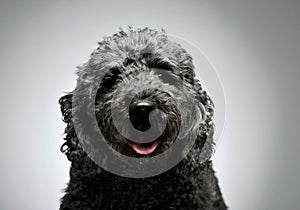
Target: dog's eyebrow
column 160, row 64
column 151, row 62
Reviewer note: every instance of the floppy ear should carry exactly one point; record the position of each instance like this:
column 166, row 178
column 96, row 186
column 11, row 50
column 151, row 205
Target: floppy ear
column 206, row 127
column 65, row 103
column 71, row 146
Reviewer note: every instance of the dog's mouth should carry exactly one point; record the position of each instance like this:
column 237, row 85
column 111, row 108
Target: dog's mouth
column 144, row 148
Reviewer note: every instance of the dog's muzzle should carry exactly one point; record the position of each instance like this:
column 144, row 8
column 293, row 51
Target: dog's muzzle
column 139, row 113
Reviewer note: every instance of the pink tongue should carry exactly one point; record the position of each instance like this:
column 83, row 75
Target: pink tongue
column 143, row 150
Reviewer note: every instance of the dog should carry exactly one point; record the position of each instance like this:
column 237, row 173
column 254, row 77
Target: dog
column 134, row 73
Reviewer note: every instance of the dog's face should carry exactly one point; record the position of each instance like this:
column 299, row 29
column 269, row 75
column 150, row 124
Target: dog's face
column 137, row 73
column 141, row 86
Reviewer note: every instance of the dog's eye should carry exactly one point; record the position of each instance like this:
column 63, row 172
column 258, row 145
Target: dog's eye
column 110, row 79
column 128, row 62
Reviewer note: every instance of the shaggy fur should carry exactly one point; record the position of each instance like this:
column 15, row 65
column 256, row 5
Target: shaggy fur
column 129, row 57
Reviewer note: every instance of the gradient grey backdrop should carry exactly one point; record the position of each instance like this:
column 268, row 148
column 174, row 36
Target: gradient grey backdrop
column 254, row 45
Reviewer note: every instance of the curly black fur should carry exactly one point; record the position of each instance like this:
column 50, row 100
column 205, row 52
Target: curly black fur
column 191, row 184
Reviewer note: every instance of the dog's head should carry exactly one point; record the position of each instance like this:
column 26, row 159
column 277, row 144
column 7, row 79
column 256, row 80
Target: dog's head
column 138, row 81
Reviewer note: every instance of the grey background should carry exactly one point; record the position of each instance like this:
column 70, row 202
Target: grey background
column 254, row 46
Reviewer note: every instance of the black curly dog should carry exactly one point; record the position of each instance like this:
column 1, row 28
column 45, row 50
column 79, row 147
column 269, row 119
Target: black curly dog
column 130, row 57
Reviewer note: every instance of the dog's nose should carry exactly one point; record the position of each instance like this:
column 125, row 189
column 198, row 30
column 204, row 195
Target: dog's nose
column 144, row 108
column 139, row 115
column 143, row 103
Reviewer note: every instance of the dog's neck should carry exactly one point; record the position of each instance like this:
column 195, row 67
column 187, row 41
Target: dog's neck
column 184, row 177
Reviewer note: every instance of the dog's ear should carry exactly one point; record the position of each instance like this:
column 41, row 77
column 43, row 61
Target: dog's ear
column 70, row 146
column 65, row 103
column 206, row 127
